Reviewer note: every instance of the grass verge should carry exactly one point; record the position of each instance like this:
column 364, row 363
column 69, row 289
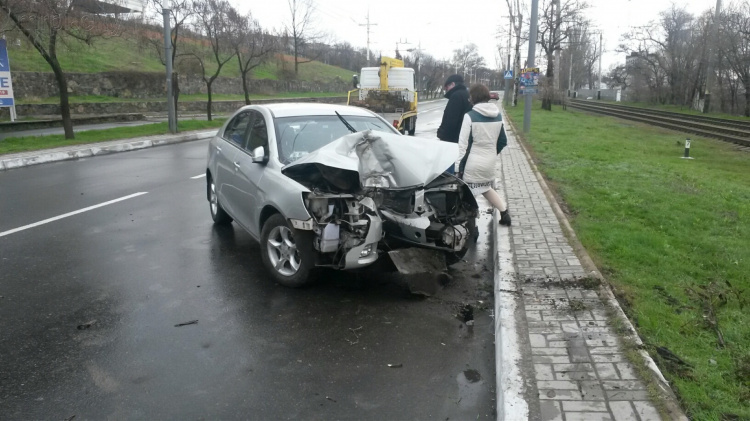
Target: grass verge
column 671, row 237
column 32, row 143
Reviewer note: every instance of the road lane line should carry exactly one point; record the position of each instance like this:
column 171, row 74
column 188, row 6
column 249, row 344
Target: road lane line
column 56, row 218
column 198, row 176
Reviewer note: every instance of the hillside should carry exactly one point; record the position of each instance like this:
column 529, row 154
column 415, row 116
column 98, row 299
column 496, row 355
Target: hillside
column 122, row 54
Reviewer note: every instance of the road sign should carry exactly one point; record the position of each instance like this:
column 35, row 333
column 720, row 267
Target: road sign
column 6, row 86
column 509, row 74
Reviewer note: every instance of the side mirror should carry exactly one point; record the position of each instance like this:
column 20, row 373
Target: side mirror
column 259, row 155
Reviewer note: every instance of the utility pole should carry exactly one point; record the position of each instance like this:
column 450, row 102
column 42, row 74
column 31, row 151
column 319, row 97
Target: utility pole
column 506, row 97
column 530, row 63
column 601, row 53
column 171, row 115
column 713, row 53
column 368, row 25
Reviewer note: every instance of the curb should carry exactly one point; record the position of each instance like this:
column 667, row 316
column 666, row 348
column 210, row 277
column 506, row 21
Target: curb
column 511, row 404
column 25, row 159
column 668, row 398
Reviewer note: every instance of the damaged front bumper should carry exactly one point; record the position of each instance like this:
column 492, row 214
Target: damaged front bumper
column 369, row 188
column 347, row 229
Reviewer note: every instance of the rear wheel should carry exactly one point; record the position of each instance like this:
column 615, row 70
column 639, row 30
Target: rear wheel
column 286, row 253
column 218, row 214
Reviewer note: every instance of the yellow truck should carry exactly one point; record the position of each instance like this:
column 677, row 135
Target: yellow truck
column 388, row 90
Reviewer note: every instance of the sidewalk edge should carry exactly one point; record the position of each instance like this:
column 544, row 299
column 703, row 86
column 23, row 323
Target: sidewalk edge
column 510, row 386
column 669, row 399
column 102, row 148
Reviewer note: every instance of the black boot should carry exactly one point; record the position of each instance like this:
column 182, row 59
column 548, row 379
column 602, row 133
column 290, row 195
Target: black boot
column 505, row 218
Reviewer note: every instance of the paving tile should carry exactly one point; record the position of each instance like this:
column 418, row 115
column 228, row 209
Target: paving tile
column 627, row 372
column 550, row 410
column 646, row 411
column 623, row 411
column 567, row 395
column 557, row 384
column 544, row 372
column 607, row 371
column 578, row 406
column 588, row 416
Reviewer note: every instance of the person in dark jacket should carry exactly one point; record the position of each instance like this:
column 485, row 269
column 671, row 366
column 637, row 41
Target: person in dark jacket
column 458, row 105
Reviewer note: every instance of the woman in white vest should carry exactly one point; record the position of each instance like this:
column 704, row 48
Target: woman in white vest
column 481, row 139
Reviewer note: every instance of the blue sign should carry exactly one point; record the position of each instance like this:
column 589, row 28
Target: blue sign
column 509, row 74
column 6, row 84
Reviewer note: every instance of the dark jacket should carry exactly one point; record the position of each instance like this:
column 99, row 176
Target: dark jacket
column 453, row 116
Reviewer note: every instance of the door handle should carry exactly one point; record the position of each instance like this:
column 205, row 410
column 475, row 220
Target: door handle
column 218, row 149
column 236, row 166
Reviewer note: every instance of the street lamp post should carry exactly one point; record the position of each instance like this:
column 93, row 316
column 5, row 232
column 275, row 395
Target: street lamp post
column 171, row 115
column 530, row 63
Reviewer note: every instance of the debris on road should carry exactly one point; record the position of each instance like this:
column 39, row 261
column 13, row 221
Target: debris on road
column 424, row 270
column 86, row 325
column 354, row 331
column 395, row 365
column 192, row 322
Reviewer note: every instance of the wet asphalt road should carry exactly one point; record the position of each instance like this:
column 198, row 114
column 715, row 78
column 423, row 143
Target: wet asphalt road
column 89, row 304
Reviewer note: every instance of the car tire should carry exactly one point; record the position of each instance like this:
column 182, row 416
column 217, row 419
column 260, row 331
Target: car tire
column 412, row 126
column 218, row 214
column 287, row 253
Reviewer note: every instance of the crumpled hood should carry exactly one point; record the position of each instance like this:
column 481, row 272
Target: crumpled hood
column 390, row 160
column 487, row 109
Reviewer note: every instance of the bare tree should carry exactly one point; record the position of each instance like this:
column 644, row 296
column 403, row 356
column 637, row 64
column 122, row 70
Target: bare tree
column 47, row 24
column 212, row 21
column 735, row 45
column 467, row 59
column 251, row 45
column 300, row 29
column 556, row 17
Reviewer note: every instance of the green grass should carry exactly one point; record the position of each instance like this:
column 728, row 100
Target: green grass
column 126, row 54
column 667, row 233
column 183, row 98
column 31, row 143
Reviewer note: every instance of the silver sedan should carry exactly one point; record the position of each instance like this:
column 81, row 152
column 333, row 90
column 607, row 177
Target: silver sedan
column 322, row 185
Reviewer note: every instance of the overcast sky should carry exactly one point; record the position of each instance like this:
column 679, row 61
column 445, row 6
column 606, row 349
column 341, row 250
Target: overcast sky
column 440, row 27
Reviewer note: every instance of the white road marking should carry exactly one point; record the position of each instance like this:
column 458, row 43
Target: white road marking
column 198, row 176
column 56, row 218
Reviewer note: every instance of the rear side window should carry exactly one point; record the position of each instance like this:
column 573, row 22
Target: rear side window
column 238, row 129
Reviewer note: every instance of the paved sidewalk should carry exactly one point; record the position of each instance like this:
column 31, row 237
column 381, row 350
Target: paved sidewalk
column 566, row 363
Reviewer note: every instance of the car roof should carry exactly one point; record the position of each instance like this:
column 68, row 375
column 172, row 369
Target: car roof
column 290, row 109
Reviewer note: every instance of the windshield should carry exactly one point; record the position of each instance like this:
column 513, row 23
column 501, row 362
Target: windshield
column 299, row 135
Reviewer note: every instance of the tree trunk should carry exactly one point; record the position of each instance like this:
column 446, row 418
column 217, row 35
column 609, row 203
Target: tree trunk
column 746, row 80
column 208, row 103
column 244, row 87
column 175, row 91
column 548, row 93
column 62, row 85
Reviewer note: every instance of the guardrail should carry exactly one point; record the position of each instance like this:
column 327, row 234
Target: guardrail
column 734, row 131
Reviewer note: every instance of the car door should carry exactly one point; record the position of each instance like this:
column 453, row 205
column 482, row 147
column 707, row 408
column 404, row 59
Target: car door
column 227, row 148
column 248, row 174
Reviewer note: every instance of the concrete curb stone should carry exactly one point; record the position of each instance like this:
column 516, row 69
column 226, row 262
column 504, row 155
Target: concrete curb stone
column 24, row 159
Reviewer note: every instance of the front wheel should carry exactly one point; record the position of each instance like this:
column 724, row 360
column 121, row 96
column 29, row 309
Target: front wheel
column 218, row 214
column 286, row 253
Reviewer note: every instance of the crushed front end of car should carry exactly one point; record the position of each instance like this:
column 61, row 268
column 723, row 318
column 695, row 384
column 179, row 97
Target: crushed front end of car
column 395, row 184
